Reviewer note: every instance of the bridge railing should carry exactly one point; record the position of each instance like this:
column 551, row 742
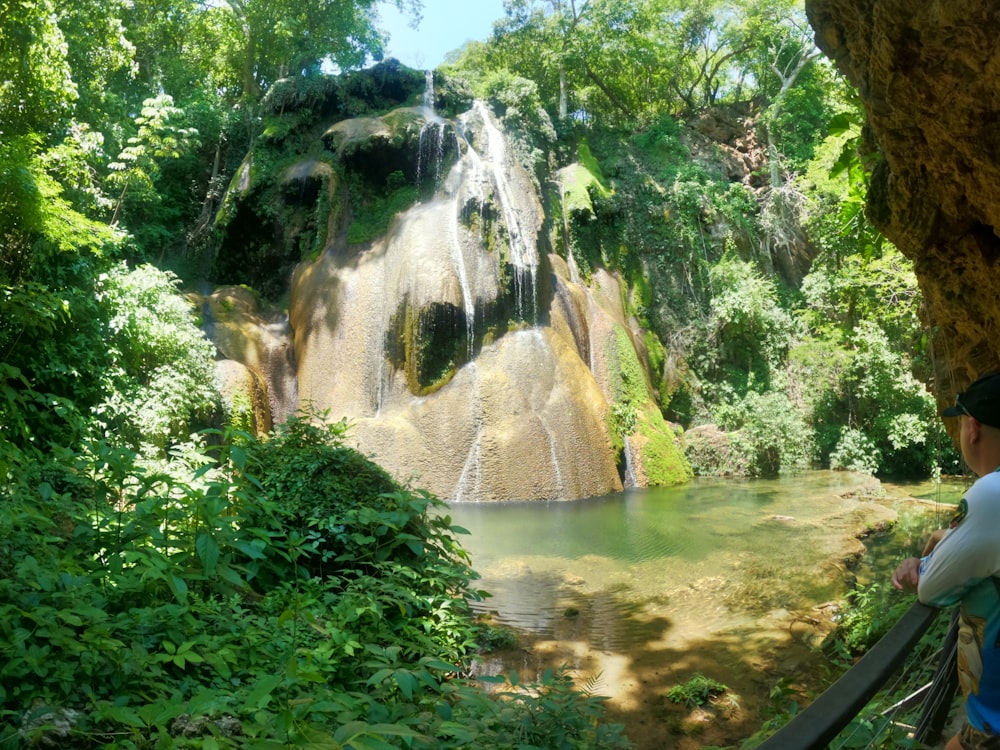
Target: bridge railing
column 822, row 720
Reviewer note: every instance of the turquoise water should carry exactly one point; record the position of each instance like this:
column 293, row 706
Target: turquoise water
column 708, row 557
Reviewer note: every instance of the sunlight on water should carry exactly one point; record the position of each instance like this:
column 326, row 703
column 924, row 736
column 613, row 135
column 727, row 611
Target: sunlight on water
column 739, row 581
column 672, row 563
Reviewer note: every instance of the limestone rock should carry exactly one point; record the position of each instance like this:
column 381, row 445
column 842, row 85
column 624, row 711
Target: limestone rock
column 928, row 76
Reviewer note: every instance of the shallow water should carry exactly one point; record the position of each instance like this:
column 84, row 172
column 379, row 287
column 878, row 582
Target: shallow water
column 729, row 578
column 729, row 550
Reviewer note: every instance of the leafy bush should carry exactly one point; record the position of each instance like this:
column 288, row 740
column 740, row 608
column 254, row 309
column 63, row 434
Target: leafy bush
column 765, row 434
column 872, row 612
column 697, row 691
column 750, row 331
column 855, row 452
column 895, row 429
column 496, row 638
column 162, row 385
column 196, row 609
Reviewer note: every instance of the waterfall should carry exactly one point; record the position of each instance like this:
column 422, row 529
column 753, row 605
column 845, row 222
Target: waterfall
column 429, row 91
column 490, row 169
column 574, row 269
column 630, row 480
column 512, row 412
column 279, row 367
column 553, row 442
column 432, row 134
column 468, row 300
column 431, row 148
column 472, row 470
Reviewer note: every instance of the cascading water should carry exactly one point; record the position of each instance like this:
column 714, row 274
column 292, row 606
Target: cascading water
column 279, row 370
column 574, row 269
column 629, row 465
column 430, row 153
column 490, row 162
column 471, row 479
column 469, row 357
column 416, row 337
column 428, row 99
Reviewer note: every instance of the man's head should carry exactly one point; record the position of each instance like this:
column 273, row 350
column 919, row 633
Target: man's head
column 980, row 400
column 980, row 430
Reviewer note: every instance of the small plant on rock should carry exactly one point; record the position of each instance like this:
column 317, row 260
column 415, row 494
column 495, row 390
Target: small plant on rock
column 697, row 691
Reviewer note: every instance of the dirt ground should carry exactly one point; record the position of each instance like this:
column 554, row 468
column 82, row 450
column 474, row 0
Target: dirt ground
column 750, row 663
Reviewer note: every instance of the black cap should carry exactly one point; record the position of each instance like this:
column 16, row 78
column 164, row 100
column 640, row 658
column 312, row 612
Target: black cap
column 980, row 400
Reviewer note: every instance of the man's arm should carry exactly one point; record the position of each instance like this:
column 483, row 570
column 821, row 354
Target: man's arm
column 907, row 574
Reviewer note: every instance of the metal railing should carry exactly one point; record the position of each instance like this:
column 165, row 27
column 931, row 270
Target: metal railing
column 822, row 720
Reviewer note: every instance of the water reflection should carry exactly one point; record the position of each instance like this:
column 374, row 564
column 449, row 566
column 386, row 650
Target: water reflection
column 712, row 555
column 725, row 578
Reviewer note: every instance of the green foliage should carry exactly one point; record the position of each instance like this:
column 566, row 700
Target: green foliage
column 892, row 419
column 855, row 452
column 162, row 383
column 873, row 611
column 799, row 117
column 141, row 609
column 552, row 713
column 883, row 290
column 771, row 433
column 375, row 211
column 697, row 691
column 496, row 638
column 750, row 330
column 134, row 174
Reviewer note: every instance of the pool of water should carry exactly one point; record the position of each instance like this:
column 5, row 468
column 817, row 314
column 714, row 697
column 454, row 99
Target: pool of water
column 709, row 555
column 732, row 579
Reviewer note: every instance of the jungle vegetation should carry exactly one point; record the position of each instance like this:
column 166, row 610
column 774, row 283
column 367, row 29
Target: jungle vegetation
column 171, row 580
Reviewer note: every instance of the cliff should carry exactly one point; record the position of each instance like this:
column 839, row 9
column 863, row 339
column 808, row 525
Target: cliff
column 425, row 304
column 928, row 76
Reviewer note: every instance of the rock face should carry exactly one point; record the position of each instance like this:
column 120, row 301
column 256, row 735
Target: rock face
column 469, row 360
column 929, row 77
column 426, row 341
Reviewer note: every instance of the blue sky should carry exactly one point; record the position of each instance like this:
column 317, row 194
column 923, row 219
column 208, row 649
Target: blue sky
column 446, row 25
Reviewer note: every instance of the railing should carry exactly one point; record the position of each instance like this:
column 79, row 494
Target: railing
column 831, row 712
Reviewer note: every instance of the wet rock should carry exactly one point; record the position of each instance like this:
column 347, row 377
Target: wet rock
column 48, row 727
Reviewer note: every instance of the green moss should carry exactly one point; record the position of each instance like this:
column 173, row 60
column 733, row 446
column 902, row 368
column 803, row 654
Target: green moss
column 662, row 458
column 583, row 183
column 657, row 354
column 590, row 163
column 634, row 410
column 576, row 196
column 373, row 214
column 401, row 119
column 241, row 414
column 629, row 378
column 428, row 344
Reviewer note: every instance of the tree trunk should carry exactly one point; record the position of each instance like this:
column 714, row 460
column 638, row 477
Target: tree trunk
column 563, row 93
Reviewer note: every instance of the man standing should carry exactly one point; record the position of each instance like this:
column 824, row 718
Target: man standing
column 961, row 564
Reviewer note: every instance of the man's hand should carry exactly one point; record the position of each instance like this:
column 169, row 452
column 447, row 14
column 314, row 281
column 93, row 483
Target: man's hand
column 907, row 575
column 933, row 540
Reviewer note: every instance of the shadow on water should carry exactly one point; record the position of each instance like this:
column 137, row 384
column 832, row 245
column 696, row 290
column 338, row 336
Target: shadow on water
column 641, row 591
